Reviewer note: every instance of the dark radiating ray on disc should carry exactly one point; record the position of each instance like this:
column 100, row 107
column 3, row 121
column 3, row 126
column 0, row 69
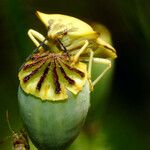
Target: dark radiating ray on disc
column 26, row 78
column 25, row 67
column 43, row 77
column 70, row 81
column 74, row 69
column 56, row 79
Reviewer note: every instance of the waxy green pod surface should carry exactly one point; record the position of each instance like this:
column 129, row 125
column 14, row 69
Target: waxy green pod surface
column 54, row 125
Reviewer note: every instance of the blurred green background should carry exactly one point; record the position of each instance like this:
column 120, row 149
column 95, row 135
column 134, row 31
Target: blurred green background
column 119, row 117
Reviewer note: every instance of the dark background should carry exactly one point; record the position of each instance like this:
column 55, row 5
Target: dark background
column 122, row 122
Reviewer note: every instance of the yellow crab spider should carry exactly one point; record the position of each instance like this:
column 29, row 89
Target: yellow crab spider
column 79, row 39
column 69, row 41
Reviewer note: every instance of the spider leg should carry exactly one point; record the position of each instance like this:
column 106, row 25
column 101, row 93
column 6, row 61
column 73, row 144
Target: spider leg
column 75, row 45
column 101, row 61
column 90, row 69
column 36, row 37
column 77, row 55
column 105, row 45
column 90, row 63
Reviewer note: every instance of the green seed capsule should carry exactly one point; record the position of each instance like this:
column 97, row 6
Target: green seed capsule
column 51, row 112
column 54, row 125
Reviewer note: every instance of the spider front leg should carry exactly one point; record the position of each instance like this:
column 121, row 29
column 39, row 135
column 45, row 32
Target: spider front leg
column 77, row 55
column 90, row 61
column 101, row 61
column 90, row 68
column 36, row 37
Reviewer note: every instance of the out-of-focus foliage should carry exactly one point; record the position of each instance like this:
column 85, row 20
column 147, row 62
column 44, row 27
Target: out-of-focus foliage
column 119, row 118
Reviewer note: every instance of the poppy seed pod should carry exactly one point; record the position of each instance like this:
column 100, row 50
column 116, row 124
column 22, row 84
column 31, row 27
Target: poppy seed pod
column 53, row 115
column 55, row 80
column 54, row 125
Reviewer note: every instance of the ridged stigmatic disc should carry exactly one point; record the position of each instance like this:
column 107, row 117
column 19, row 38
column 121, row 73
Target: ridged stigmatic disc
column 49, row 75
